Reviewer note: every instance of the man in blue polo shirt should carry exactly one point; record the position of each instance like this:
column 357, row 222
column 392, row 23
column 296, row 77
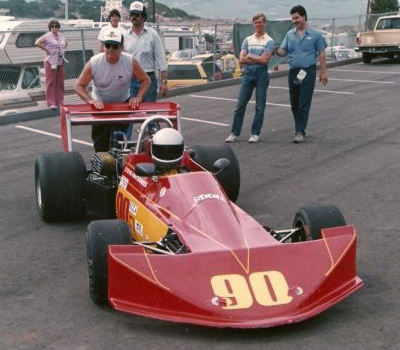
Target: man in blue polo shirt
column 256, row 51
column 303, row 45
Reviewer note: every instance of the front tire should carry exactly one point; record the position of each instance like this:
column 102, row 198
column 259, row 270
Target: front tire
column 313, row 219
column 206, row 155
column 100, row 234
column 60, row 185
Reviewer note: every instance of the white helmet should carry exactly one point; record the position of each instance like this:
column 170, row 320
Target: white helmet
column 167, row 148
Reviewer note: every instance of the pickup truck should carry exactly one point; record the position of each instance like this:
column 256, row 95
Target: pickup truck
column 383, row 41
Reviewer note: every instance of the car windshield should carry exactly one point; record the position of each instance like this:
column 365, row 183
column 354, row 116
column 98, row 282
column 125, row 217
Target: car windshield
column 182, row 55
column 9, row 76
column 183, row 72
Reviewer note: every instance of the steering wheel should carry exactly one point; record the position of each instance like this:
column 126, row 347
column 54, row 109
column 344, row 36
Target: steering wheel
column 149, row 128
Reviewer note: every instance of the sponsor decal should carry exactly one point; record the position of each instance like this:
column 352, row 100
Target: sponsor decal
column 202, row 197
column 139, row 228
column 219, row 301
column 139, row 179
column 124, row 182
column 133, row 208
column 163, row 191
column 296, row 291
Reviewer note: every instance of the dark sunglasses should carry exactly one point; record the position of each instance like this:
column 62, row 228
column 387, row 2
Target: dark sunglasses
column 54, row 26
column 113, row 46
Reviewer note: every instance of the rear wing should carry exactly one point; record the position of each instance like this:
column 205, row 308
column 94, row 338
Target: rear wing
column 113, row 114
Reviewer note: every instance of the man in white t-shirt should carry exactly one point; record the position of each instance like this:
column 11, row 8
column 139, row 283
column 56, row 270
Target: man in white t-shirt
column 114, row 17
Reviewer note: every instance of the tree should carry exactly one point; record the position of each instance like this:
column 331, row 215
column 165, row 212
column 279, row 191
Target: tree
column 383, row 6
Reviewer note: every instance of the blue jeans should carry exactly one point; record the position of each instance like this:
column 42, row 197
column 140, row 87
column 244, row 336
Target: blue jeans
column 151, row 95
column 301, row 96
column 255, row 78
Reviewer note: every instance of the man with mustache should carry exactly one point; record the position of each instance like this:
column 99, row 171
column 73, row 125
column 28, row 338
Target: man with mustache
column 302, row 45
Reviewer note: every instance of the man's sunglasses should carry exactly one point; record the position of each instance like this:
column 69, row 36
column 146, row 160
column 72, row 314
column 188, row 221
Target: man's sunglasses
column 113, row 46
column 54, row 26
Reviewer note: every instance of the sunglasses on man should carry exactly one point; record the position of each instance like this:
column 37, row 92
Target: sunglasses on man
column 54, row 26
column 111, row 46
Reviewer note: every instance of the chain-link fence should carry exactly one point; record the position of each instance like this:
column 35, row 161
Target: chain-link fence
column 21, row 63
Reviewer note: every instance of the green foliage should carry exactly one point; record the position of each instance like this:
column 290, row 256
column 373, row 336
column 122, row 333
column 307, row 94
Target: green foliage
column 383, row 6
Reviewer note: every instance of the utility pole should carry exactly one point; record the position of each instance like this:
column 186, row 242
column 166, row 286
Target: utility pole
column 368, row 8
column 66, row 10
column 153, row 5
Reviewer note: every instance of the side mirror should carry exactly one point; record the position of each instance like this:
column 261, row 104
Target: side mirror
column 220, row 165
column 145, row 169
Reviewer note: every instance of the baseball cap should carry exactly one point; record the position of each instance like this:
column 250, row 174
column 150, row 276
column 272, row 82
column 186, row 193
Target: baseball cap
column 112, row 36
column 137, row 7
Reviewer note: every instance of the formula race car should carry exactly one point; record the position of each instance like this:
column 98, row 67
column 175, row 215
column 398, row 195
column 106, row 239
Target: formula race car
column 172, row 245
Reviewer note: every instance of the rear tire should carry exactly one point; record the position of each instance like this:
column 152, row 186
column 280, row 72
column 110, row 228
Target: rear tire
column 311, row 220
column 367, row 57
column 206, row 155
column 60, row 186
column 100, row 234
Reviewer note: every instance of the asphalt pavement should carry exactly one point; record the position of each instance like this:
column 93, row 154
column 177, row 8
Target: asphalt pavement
column 351, row 159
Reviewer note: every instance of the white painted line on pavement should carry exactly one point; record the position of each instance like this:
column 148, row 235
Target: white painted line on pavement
column 204, row 121
column 332, row 92
column 362, row 71
column 235, row 100
column 365, row 81
column 52, row 135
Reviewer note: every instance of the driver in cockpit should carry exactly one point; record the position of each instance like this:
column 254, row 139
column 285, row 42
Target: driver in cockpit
column 167, row 148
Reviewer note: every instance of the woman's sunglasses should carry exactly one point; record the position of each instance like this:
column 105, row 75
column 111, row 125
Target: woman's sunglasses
column 113, row 46
column 54, row 26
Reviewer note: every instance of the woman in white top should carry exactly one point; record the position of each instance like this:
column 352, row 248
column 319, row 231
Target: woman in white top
column 114, row 17
column 110, row 72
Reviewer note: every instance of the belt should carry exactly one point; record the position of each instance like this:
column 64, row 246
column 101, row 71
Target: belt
column 298, row 68
column 255, row 69
column 150, row 73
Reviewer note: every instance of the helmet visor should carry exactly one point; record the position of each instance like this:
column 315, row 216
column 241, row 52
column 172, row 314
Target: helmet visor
column 167, row 152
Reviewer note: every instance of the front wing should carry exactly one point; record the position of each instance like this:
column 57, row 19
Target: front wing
column 258, row 287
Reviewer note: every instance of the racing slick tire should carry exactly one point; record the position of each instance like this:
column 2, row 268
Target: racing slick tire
column 99, row 235
column 60, row 186
column 311, row 220
column 206, row 155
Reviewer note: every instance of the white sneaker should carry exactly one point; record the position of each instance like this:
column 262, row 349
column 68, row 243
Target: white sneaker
column 299, row 138
column 231, row 138
column 254, row 138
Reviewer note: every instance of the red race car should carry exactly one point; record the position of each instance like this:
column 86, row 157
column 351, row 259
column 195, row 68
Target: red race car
column 172, row 244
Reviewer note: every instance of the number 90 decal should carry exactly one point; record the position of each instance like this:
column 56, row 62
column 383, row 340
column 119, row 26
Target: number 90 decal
column 269, row 289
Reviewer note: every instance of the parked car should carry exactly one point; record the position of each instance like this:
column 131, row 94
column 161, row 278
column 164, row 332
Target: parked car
column 182, row 55
column 228, row 63
column 192, row 72
column 383, row 41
